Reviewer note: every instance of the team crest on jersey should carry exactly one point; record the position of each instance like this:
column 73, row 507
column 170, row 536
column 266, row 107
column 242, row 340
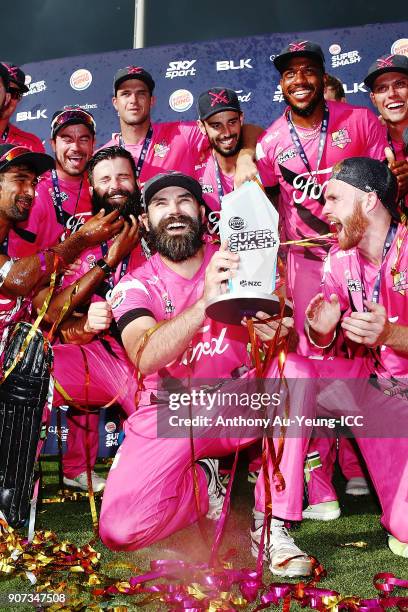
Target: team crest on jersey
column 168, row 304
column 161, row 149
column 340, row 138
column 117, row 298
column 91, row 260
column 64, row 196
column 283, row 157
column 399, row 281
column 354, row 285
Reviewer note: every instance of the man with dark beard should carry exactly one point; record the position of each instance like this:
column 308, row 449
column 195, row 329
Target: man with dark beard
column 221, row 119
column 297, row 152
column 113, row 186
column 363, row 297
column 160, row 312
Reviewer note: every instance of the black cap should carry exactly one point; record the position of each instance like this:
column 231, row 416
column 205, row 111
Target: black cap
column 299, row 49
column 386, row 63
column 369, row 175
column 14, row 155
column 4, row 74
column 172, row 178
column 132, row 72
column 216, row 100
column 72, row 115
column 16, row 77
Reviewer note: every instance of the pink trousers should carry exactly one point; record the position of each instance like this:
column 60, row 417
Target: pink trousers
column 109, row 378
column 150, row 489
column 303, row 281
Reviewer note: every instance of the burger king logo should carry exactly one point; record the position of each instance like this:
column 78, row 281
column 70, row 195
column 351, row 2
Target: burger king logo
column 334, row 49
column 181, row 100
column 80, row 79
column 400, row 47
column 110, row 427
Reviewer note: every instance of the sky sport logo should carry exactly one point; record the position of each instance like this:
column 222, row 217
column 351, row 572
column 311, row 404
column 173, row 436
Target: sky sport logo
column 80, row 79
column 181, row 100
column 180, row 68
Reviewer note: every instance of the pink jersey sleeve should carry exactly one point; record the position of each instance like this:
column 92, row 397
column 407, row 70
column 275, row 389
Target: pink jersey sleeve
column 26, row 139
column 196, row 141
column 375, row 134
column 130, row 299
column 265, row 160
column 332, row 281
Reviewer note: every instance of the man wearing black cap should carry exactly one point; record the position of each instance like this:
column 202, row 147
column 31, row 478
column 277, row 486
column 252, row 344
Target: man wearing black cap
column 297, row 152
column 171, row 289
column 221, row 120
column 387, row 78
column 363, row 296
column 9, row 132
column 161, row 146
column 62, row 202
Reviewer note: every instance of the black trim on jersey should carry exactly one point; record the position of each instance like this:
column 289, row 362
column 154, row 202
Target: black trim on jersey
column 132, row 315
column 25, row 234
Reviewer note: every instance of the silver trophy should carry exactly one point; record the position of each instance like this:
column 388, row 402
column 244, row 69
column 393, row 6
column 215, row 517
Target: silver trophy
column 249, row 222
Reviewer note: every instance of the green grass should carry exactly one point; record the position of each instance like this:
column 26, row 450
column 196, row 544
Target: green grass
column 349, row 570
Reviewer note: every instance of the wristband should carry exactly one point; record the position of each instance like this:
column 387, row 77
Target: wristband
column 101, row 263
column 307, row 330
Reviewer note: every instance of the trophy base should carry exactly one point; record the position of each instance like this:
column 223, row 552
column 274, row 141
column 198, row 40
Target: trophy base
column 232, row 307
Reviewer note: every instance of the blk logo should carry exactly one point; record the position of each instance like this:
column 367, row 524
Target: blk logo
column 231, row 65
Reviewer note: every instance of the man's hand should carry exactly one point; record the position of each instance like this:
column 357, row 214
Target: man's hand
column 399, row 170
column 73, row 268
column 267, row 331
column 370, row 328
column 246, row 170
column 101, row 228
column 99, row 318
column 222, row 267
column 124, row 243
column 323, row 316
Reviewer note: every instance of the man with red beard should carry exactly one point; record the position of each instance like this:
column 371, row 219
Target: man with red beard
column 91, row 340
column 297, row 152
column 363, row 296
column 62, row 201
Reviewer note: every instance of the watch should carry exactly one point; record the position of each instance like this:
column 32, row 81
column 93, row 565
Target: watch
column 104, row 266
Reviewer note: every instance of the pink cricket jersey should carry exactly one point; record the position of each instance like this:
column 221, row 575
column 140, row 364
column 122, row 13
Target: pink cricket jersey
column 346, row 272
column 352, row 131
column 26, row 139
column 174, row 146
column 157, row 291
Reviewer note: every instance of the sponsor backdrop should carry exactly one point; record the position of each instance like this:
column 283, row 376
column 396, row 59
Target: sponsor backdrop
column 109, row 432
column 183, row 71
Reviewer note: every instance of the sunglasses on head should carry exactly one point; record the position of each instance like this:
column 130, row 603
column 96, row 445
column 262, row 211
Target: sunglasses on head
column 73, row 113
column 14, row 153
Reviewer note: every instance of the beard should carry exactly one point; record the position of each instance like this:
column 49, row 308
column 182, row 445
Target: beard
column 229, row 153
column 15, row 213
column 354, row 227
column 131, row 206
column 311, row 107
column 176, row 248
